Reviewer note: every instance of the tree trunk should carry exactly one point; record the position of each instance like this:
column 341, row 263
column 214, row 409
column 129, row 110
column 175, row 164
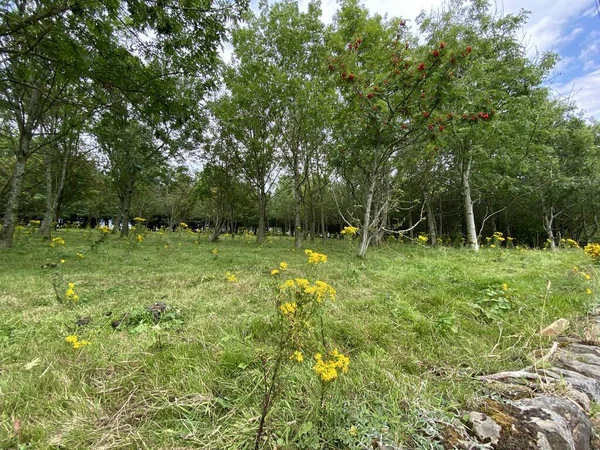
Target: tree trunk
column 46, row 226
column 262, row 217
column 469, row 215
column 323, row 225
column 53, row 198
column 549, row 227
column 440, row 230
column 365, row 237
column 431, row 226
column 126, row 206
column 9, row 221
column 411, row 231
column 297, row 204
column 217, row 230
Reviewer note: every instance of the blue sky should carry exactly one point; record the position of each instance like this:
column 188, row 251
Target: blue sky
column 570, row 28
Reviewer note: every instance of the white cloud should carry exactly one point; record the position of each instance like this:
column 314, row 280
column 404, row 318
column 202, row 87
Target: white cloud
column 570, row 37
column 584, row 91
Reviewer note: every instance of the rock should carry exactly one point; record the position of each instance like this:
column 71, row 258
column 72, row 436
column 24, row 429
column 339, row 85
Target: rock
column 485, row 429
column 157, row 310
column 579, row 382
column 561, row 424
column 583, row 349
column 83, row 321
column 588, row 358
column 588, row 370
column 555, row 329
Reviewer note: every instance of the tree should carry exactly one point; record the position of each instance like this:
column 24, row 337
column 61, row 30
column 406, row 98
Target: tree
column 478, row 98
column 391, row 89
column 95, row 46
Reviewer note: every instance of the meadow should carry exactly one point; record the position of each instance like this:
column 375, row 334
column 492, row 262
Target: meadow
column 86, row 365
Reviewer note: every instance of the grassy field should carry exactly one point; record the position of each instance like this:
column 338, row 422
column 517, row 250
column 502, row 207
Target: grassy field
column 418, row 324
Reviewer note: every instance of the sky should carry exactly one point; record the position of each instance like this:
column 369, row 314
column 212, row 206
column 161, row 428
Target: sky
column 570, row 28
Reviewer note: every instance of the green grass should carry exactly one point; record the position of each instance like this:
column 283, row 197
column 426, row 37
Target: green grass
column 406, row 316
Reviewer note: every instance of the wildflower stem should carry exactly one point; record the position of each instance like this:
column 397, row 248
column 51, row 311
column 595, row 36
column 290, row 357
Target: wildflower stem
column 270, row 391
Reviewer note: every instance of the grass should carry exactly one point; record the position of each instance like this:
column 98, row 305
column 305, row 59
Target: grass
column 417, row 323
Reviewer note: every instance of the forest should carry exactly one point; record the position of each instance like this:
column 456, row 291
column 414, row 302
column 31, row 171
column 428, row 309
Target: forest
column 445, row 128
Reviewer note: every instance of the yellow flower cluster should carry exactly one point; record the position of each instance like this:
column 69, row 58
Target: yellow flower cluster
column 593, row 250
column 315, row 258
column 282, row 268
column 214, row 252
column 498, row 236
column 297, row 356
column 230, row 277
column 58, row 240
column 104, row 229
column 183, row 226
column 320, row 290
column 288, row 309
column 140, row 238
column 70, row 293
column 349, row 231
column 422, row 239
column 80, row 255
column 75, row 342
column 504, row 286
column 569, row 243
column 328, row 369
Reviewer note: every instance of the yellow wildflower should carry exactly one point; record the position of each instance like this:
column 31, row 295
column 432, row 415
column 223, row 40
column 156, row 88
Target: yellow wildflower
column 75, row 342
column 58, row 240
column 315, row 258
column 587, row 277
column 324, row 291
column 274, row 272
column 80, row 255
column 288, row 309
column 230, row 277
column 350, row 231
column 183, row 225
column 70, row 293
column 80, row 344
column 588, row 291
column 140, row 238
column 328, row 369
column 492, row 246
column 302, row 282
column 504, row 287
column 283, row 266
column 166, row 247
column 62, row 261
column 297, row 356
column 104, row 229
column 353, row 431
column 593, row 250
column 214, row 251
column 289, row 284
